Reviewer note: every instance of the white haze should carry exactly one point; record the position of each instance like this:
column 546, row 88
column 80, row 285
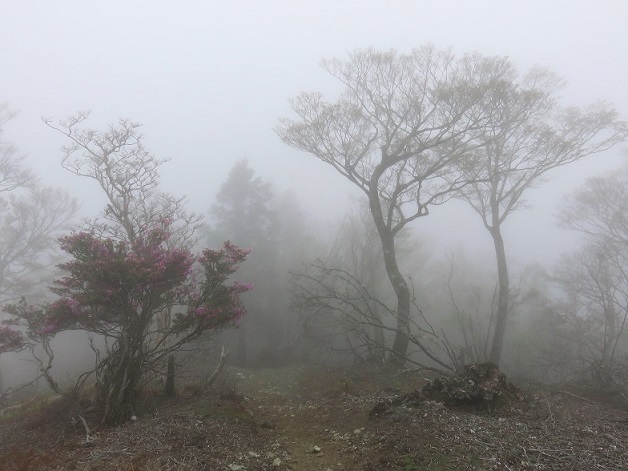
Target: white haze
column 209, row 81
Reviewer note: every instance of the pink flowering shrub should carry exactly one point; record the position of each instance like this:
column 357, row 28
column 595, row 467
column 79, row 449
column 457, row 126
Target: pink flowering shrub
column 118, row 289
column 110, row 284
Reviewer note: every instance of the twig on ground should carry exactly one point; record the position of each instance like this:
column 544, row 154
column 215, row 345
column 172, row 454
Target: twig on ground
column 550, row 417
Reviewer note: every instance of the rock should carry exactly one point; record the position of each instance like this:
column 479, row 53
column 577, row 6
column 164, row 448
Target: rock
column 481, row 386
column 413, row 399
column 380, row 408
column 316, row 449
column 236, row 467
column 277, row 462
column 432, row 406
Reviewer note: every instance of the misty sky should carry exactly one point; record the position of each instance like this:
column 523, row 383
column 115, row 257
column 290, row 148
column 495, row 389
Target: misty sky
column 209, row 81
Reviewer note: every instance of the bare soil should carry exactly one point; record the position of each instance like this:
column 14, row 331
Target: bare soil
column 318, row 419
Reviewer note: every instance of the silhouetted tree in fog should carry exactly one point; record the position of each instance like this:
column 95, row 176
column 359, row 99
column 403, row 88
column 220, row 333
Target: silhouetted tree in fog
column 345, row 296
column 32, row 217
column 243, row 208
column 242, row 214
column 595, row 278
column 403, row 132
column 358, row 250
column 593, row 313
column 529, row 135
column 127, row 173
column 599, row 209
column 248, row 213
column 13, row 174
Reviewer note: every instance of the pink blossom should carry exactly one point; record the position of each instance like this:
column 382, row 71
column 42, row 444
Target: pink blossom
column 10, row 339
column 242, row 287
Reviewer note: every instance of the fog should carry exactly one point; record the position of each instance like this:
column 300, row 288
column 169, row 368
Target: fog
column 210, row 81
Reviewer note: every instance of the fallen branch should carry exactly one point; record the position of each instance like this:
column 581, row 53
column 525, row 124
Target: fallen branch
column 180, row 463
column 567, row 393
column 218, row 370
column 88, row 433
column 618, row 421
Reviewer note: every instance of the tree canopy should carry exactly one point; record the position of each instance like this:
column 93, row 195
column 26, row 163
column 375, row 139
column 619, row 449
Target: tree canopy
column 405, row 131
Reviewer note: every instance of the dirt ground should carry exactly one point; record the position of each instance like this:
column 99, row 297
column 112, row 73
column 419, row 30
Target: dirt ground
column 318, row 419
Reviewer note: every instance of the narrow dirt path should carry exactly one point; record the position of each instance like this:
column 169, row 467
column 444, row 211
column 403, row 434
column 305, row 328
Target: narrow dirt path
column 318, row 430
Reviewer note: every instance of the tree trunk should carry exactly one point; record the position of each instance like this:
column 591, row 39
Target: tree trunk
column 402, row 291
column 120, row 377
column 502, row 297
column 169, row 390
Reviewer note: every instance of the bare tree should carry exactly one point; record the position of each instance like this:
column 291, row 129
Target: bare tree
column 595, row 279
column 358, row 250
column 466, row 299
column 32, row 217
column 593, row 315
column 128, row 175
column 31, row 224
column 13, row 173
column 403, row 132
column 599, row 210
column 528, row 136
column 350, row 312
